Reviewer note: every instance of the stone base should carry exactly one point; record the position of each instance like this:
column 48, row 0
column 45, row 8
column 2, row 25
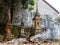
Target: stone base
column 8, row 37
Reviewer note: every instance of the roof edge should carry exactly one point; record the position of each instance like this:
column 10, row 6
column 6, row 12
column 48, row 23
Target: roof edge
column 51, row 6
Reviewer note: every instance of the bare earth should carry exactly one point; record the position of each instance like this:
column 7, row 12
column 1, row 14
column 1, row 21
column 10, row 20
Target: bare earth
column 25, row 42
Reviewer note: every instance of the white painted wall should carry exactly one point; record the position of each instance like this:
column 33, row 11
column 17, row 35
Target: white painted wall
column 55, row 3
column 45, row 9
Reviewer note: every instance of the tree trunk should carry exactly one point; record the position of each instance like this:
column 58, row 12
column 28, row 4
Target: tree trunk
column 8, row 28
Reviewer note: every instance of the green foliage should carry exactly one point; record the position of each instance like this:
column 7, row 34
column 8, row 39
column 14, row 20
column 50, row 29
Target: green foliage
column 25, row 4
column 31, row 2
column 58, row 19
column 14, row 3
column 31, row 8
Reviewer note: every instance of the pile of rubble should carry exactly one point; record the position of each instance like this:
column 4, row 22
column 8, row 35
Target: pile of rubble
column 24, row 41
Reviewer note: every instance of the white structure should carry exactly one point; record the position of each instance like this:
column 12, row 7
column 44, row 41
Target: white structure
column 47, row 12
column 44, row 8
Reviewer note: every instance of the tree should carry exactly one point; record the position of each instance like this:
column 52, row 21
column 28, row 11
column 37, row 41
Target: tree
column 11, row 4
